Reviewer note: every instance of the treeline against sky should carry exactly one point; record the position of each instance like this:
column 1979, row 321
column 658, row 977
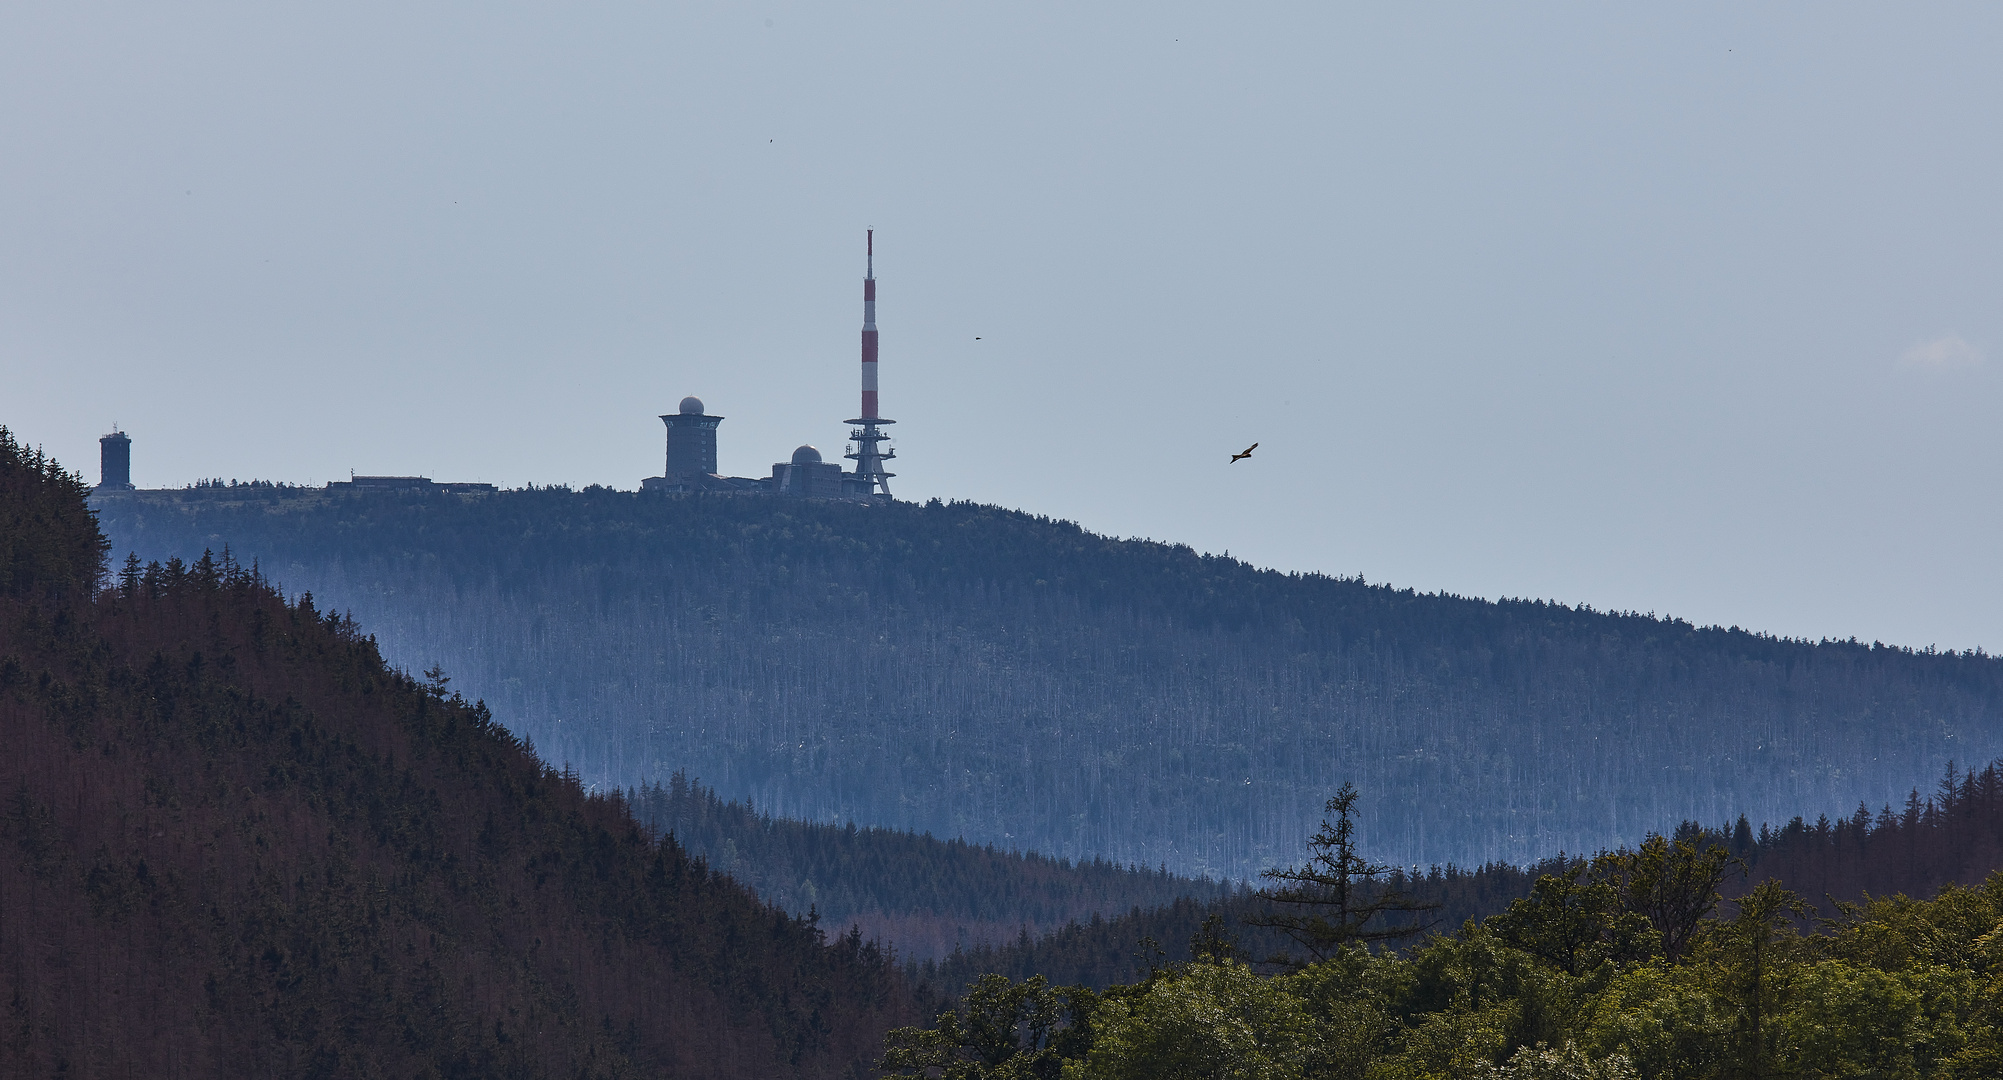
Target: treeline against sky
column 235, row 843
column 1953, row 835
column 1016, row 681
column 927, row 896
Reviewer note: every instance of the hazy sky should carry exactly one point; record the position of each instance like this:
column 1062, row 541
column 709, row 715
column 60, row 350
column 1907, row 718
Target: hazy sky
column 1683, row 308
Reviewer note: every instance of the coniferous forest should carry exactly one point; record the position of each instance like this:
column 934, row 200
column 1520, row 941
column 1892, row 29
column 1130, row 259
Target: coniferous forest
column 1949, row 837
column 930, row 897
column 1023, row 683
column 234, row 842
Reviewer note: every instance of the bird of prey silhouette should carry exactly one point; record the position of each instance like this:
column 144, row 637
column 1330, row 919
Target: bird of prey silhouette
column 1247, row 453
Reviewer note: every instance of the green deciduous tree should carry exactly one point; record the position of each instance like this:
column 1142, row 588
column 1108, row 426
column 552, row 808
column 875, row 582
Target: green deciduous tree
column 1212, row 1022
column 1002, row 1031
column 1673, row 883
column 1896, row 988
column 1575, row 921
column 1753, row 962
column 1540, row 1062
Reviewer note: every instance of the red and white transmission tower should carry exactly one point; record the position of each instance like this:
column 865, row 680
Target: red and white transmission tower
column 869, row 454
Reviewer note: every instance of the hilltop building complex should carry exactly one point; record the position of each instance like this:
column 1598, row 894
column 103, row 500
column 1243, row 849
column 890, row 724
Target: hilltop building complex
column 691, row 459
column 691, row 464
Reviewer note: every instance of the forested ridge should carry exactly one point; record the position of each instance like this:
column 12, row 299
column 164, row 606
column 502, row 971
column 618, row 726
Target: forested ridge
column 1016, row 681
column 234, row 842
column 1950, row 836
column 930, row 897
column 1101, row 951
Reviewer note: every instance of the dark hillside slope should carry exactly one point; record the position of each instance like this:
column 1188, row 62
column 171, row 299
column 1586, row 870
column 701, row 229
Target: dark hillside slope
column 234, row 844
column 975, row 672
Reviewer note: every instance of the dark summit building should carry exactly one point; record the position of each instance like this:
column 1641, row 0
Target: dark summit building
column 691, row 441
column 691, row 463
column 114, row 457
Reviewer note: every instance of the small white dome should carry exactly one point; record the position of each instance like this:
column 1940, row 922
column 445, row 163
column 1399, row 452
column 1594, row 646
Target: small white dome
column 806, row 455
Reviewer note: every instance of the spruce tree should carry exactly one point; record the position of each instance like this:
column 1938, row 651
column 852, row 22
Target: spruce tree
column 1335, row 901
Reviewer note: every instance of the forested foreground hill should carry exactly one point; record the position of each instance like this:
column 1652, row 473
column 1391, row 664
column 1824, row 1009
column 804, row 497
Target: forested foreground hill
column 1698, row 957
column 1570, row 983
column 980, row 673
column 233, row 842
column 928, row 897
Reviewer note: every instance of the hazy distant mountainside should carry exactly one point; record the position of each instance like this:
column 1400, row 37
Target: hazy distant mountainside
column 976, row 672
column 1101, row 951
column 928, row 897
column 233, row 843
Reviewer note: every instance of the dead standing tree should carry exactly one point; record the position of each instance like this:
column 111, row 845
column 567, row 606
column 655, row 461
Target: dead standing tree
column 1333, row 902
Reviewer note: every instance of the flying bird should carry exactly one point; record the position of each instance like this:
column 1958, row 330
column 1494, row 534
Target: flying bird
column 1247, row 453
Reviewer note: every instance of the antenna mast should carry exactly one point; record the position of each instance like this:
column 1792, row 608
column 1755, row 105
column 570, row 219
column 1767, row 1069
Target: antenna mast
column 869, row 454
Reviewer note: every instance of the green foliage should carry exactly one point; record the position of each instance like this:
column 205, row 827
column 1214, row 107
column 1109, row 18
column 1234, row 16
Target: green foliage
column 1576, row 920
column 999, row 1031
column 1673, row 883
column 1209, row 1021
column 1850, row 1021
column 1662, row 1019
column 1753, row 964
column 1892, row 988
column 1540, row 1062
column 1959, row 928
column 1622, row 906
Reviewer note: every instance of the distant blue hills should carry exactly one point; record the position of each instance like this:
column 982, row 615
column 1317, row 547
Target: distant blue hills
column 1018, row 681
